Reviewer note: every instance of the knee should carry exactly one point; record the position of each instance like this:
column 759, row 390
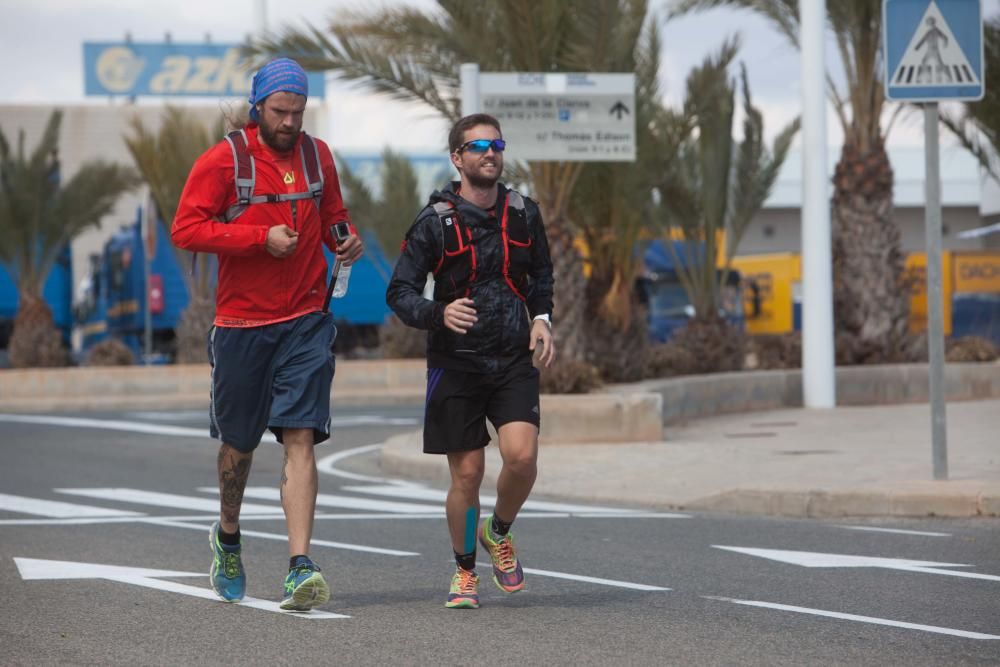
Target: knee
column 523, row 463
column 468, row 476
column 299, row 448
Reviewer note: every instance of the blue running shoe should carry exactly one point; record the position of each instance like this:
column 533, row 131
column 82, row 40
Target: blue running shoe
column 305, row 587
column 229, row 580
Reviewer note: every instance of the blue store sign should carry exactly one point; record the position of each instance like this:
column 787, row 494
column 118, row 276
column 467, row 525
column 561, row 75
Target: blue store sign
column 130, row 69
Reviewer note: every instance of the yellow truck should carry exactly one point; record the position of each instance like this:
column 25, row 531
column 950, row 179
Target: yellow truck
column 971, row 283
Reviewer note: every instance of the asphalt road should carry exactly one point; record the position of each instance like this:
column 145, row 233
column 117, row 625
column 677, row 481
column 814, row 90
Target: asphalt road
column 133, row 492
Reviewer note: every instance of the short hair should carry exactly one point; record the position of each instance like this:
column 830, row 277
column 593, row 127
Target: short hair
column 457, row 133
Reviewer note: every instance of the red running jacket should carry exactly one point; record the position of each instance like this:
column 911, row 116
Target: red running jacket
column 255, row 288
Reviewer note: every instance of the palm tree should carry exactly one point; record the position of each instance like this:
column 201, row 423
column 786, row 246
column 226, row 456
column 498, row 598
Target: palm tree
column 712, row 190
column 381, row 214
column 39, row 216
column 870, row 305
column 415, row 56
column 164, row 159
column 977, row 125
column 610, row 206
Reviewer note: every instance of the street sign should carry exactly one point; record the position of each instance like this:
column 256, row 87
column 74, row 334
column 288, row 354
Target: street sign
column 172, row 70
column 563, row 117
column 933, row 50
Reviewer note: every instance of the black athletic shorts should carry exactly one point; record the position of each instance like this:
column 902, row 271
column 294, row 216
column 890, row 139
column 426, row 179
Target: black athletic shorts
column 459, row 403
column 275, row 376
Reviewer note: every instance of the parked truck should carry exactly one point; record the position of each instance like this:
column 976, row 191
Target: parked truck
column 116, row 291
column 772, row 292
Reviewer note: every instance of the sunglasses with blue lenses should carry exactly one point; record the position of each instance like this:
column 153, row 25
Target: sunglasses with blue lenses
column 483, row 145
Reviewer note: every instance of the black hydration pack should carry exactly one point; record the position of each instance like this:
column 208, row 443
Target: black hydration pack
column 457, row 268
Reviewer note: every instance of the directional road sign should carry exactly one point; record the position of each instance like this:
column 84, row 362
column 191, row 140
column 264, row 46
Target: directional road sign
column 933, row 50
column 563, row 117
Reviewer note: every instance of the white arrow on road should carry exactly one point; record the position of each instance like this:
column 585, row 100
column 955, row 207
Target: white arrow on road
column 812, row 559
column 35, row 568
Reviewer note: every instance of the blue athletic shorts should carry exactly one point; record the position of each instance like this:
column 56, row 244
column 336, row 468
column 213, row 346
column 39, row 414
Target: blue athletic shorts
column 274, row 377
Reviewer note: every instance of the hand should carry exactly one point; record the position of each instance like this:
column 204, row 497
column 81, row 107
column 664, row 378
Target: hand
column 350, row 249
column 540, row 332
column 281, row 241
column 459, row 315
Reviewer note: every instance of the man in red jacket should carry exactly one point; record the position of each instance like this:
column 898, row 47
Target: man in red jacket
column 270, row 348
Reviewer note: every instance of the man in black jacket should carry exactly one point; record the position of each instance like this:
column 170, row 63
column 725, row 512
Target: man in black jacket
column 491, row 310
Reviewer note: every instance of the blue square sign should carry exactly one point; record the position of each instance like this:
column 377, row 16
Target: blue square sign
column 933, row 50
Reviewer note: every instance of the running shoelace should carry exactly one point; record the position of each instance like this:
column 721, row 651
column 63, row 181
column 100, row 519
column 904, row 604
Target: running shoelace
column 466, row 582
column 505, row 555
column 231, row 565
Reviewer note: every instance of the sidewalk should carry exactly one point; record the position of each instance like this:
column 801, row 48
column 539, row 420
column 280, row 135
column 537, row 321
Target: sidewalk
column 848, row 461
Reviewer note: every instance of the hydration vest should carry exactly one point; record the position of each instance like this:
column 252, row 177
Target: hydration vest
column 246, row 176
column 456, row 271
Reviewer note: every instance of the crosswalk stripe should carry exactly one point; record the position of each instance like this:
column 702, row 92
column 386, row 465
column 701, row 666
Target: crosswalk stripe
column 347, row 502
column 55, row 509
column 424, row 493
column 284, row 538
column 158, row 499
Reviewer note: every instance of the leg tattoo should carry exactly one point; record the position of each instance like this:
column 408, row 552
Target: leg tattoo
column 234, row 470
column 284, row 476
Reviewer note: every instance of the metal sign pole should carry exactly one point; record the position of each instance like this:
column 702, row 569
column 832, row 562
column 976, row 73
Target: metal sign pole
column 149, row 218
column 935, row 298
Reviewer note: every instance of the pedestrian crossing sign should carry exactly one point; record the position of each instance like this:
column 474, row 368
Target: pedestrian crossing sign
column 933, row 50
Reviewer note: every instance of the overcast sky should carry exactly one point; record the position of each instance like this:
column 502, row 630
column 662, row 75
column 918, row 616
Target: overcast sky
column 41, row 48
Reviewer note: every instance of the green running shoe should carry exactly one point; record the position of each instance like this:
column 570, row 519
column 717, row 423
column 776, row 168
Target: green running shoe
column 305, row 587
column 229, row 580
column 507, row 572
column 464, row 593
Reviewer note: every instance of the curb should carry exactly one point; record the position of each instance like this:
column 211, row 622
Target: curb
column 402, row 456
column 943, row 501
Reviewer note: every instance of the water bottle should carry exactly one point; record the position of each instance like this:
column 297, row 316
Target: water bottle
column 341, row 231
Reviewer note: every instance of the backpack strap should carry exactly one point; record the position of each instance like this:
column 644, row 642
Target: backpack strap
column 515, row 201
column 245, row 176
column 447, row 216
column 311, row 167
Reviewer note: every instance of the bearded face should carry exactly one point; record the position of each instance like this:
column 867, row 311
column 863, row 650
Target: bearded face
column 481, row 170
column 280, row 119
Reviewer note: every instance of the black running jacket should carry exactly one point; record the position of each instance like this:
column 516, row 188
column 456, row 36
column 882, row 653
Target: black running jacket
column 500, row 336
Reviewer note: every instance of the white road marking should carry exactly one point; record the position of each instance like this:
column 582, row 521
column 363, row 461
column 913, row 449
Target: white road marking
column 113, row 425
column 347, row 502
column 425, row 493
column 175, row 501
column 333, row 516
column 857, row 618
column 37, row 569
column 56, row 509
column 812, row 559
column 593, row 580
column 183, row 431
column 328, row 464
column 284, row 538
column 900, row 531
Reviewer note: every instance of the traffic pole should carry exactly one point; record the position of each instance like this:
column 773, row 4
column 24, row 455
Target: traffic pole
column 818, row 371
column 935, row 296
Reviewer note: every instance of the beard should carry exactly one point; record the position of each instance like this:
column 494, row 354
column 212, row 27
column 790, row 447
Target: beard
column 279, row 141
column 477, row 180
